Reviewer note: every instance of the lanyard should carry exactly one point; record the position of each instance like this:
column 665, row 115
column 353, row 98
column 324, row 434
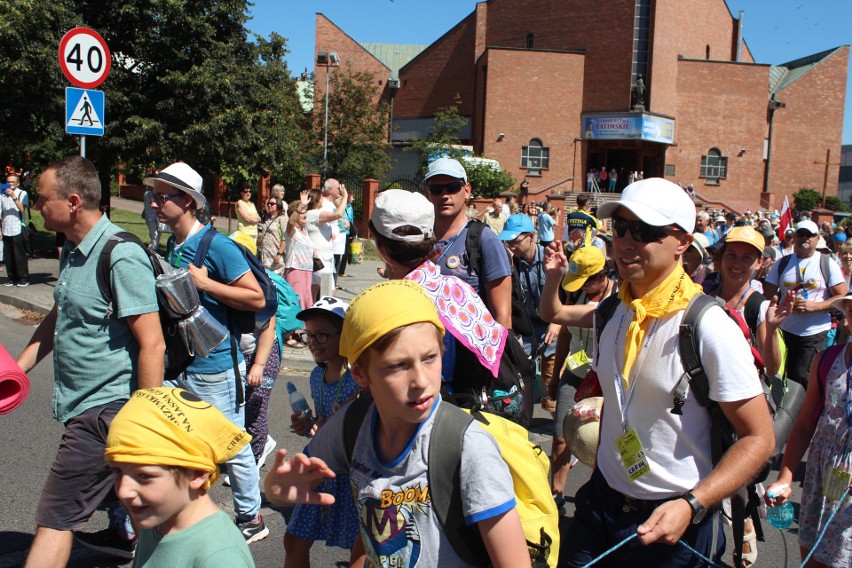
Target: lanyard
column 175, row 259
column 800, row 276
column 534, row 291
column 332, row 408
column 624, row 398
column 450, row 243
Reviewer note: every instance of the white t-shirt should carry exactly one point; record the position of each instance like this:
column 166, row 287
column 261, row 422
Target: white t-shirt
column 320, row 234
column 806, row 271
column 398, row 523
column 677, row 447
column 12, row 216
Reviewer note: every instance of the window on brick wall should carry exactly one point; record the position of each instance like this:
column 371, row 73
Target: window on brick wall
column 714, row 166
column 535, row 157
column 530, row 41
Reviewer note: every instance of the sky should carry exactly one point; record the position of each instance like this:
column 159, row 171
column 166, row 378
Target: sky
column 776, row 31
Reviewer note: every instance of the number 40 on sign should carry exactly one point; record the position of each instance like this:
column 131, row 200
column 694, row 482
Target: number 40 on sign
column 84, row 58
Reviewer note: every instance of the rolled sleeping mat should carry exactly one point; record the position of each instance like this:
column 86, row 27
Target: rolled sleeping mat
column 787, row 413
column 14, row 383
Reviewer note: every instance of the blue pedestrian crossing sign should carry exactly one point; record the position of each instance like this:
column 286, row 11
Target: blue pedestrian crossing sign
column 84, row 111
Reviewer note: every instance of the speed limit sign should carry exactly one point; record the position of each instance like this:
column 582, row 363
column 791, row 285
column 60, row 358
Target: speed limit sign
column 84, row 58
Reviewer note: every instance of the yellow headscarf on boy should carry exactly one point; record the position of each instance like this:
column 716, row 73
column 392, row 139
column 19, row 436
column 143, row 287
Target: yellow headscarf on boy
column 173, row 427
column 381, row 308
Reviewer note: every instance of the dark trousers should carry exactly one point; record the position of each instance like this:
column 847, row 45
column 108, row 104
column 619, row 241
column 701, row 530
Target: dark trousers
column 341, row 267
column 602, row 520
column 16, row 258
column 800, row 353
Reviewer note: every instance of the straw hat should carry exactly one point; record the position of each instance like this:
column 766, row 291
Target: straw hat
column 583, row 436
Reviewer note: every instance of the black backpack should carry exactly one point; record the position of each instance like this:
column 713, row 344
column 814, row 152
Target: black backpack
column 178, row 357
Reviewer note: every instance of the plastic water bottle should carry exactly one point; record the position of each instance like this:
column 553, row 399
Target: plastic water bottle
column 779, row 516
column 298, row 403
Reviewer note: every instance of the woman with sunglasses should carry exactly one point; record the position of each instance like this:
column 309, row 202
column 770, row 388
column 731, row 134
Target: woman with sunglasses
column 247, row 217
column 271, row 243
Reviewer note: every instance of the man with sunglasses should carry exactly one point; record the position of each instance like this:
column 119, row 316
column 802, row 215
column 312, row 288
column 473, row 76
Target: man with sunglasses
column 654, row 474
column 447, row 189
column 816, row 281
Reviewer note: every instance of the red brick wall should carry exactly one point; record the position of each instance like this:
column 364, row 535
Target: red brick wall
column 721, row 105
column 686, row 27
column 353, row 57
column 811, row 123
column 533, row 94
column 433, row 79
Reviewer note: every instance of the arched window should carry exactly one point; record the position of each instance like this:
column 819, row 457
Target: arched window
column 530, row 40
column 714, row 166
column 535, row 157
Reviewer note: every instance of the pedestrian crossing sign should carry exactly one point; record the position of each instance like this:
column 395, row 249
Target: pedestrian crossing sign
column 84, row 111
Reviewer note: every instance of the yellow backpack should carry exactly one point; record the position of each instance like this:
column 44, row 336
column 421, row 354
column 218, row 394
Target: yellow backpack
column 527, row 462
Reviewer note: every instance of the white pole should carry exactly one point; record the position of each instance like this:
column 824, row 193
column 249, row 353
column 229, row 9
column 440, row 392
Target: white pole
column 83, row 146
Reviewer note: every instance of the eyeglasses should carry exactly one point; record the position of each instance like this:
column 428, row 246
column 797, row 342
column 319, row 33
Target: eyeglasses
column 804, row 234
column 320, row 338
column 246, row 191
column 451, row 188
column 160, row 198
column 640, row 232
column 271, row 203
column 517, row 240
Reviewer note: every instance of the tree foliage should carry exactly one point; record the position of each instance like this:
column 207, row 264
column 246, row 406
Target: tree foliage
column 487, row 180
column 357, row 126
column 187, row 83
column 443, row 138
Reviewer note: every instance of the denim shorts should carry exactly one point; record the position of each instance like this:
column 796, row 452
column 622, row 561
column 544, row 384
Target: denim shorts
column 79, row 479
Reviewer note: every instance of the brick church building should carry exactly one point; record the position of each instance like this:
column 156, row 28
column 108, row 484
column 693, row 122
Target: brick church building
column 550, row 89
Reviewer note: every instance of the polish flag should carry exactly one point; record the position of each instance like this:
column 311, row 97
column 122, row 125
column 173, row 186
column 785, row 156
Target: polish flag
column 786, row 219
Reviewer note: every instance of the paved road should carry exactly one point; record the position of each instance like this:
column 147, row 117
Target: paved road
column 29, row 438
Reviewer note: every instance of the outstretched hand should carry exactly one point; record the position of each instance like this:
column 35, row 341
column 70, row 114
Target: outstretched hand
column 292, row 481
column 555, row 261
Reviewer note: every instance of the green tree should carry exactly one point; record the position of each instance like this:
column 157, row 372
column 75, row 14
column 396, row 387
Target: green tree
column 443, row 138
column 487, row 180
column 357, row 126
column 806, row 199
column 836, row 204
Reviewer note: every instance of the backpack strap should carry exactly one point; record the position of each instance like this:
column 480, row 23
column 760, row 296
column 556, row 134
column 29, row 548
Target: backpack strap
column 471, row 245
column 782, row 267
column 204, row 246
column 444, row 476
column 826, row 360
column 356, row 413
column 693, row 372
column 105, row 263
column 603, row 313
column 825, row 270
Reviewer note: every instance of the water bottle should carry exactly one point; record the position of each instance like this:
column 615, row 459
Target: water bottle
column 298, row 403
column 779, row 516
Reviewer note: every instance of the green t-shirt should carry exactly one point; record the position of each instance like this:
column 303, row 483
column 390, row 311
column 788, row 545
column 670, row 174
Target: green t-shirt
column 211, row 542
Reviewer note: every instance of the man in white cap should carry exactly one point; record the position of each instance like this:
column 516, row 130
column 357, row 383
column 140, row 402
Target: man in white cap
column 655, row 475
column 224, row 281
column 448, row 190
column 99, row 357
column 817, row 281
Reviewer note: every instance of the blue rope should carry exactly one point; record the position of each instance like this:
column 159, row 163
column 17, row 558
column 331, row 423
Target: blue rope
column 613, row 549
column 825, row 526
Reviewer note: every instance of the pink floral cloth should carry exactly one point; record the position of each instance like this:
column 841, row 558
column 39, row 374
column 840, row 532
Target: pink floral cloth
column 463, row 314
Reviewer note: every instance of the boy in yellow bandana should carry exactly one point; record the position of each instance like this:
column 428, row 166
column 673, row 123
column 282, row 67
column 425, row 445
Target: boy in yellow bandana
column 654, row 474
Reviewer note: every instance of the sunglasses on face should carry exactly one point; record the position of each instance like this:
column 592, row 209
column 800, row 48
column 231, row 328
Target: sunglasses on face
column 804, row 234
column 271, row 203
column 449, row 188
column 160, row 198
column 639, row 231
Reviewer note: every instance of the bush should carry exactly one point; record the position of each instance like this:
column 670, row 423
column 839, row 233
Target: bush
column 807, row 199
column 486, row 180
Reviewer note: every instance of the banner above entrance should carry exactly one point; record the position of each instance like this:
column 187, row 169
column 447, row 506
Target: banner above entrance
column 628, row 126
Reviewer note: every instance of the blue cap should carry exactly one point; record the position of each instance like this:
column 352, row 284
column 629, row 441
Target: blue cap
column 839, row 237
column 515, row 226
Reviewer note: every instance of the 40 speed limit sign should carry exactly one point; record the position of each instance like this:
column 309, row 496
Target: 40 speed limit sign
column 84, row 58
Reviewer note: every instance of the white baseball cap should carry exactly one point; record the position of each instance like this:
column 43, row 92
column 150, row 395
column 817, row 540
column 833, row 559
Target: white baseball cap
column 446, row 167
column 325, row 305
column 184, row 178
column 657, row 202
column 395, row 208
column 809, row 226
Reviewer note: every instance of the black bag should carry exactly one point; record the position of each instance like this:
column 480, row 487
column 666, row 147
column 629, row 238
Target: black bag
column 177, row 356
column 318, row 264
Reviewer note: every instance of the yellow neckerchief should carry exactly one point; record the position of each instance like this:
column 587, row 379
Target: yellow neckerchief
column 672, row 295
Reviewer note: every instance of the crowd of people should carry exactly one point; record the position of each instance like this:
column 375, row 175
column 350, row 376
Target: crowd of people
column 600, row 311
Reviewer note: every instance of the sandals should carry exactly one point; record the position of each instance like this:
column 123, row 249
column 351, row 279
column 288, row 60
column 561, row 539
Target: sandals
column 294, row 343
column 750, row 545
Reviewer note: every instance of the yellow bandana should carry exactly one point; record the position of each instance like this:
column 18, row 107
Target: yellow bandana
column 173, row 427
column 672, row 295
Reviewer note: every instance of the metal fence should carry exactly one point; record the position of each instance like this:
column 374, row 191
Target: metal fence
column 407, row 183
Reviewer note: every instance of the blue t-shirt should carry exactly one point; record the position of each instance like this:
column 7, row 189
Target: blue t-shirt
column 545, row 228
column 225, row 263
column 453, row 261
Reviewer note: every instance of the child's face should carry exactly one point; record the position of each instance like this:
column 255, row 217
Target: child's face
column 405, row 379
column 323, row 338
column 152, row 495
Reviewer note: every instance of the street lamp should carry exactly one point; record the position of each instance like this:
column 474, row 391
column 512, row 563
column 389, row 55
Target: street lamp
column 327, row 60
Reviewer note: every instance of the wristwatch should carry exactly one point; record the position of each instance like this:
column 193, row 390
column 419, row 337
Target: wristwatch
column 698, row 510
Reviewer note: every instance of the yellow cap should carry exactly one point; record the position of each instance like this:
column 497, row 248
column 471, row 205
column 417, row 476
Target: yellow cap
column 746, row 235
column 173, row 427
column 245, row 240
column 584, row 262
column 381, row 308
